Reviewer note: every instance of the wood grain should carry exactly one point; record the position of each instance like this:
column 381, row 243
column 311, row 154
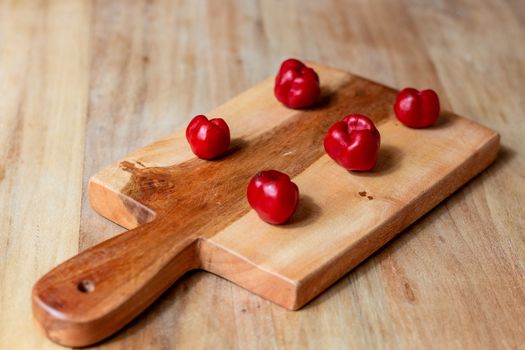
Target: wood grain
column 191, row 213
column 44, row 85
column 454, row 279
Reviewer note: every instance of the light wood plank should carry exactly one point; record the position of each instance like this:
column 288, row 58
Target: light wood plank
column 44, row 85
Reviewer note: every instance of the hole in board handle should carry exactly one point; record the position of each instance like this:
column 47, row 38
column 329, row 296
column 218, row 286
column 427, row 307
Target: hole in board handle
column 86, row 286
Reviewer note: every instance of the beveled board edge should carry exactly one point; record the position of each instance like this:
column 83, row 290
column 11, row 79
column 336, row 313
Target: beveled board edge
column 320, row 279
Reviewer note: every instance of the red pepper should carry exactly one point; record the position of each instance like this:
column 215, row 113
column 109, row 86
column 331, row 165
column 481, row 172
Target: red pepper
column 417, row 109
column 353, row 142
column 208, row 138
column 273, row 196
column 296, row 85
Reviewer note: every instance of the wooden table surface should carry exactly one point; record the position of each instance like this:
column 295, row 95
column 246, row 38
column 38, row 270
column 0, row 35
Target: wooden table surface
column 84, row 83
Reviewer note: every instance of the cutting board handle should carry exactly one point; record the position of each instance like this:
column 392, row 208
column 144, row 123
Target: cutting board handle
column 95, row 293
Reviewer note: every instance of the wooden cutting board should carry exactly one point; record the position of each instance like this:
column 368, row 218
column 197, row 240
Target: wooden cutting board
column 186, row 213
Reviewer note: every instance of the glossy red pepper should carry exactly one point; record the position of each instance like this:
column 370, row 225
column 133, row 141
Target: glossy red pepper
column 208, row 139
column 353, row 142
column 273, row 196
column 417, row 109
column 296, row 85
